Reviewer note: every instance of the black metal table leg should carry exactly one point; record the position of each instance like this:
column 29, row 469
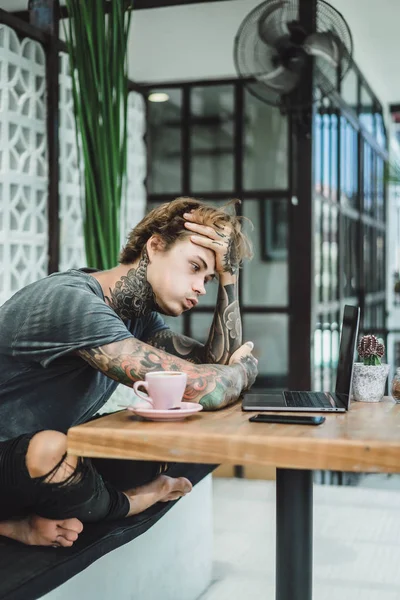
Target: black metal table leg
column 294, row 498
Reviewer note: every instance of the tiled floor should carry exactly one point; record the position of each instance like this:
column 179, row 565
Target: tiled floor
column 356, row 541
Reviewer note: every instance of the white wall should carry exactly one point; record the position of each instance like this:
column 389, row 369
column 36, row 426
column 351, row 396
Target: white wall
column 186, row 42
column 375, row 29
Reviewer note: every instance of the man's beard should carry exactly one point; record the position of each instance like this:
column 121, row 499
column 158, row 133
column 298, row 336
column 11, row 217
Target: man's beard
column 133, row 295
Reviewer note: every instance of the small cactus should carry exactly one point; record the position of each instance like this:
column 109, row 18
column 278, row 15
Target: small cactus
column 371, row 350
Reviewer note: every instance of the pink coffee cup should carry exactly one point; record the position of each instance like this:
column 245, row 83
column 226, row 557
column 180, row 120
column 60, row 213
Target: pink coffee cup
column 164, row 389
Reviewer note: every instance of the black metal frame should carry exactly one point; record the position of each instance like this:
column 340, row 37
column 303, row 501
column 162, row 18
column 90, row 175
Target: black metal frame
column 263, row 195
column 362, row 223
column 301, row 222
column 267, row 224
column 294, row 534
column 53, row 144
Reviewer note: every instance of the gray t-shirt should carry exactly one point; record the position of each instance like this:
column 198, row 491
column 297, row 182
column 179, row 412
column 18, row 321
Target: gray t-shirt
column 43, row 384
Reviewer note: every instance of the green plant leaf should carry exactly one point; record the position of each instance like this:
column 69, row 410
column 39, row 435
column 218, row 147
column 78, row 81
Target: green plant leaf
column 97, row 46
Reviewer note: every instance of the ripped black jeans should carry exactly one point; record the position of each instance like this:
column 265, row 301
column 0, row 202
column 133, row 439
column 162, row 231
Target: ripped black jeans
column 92, row 493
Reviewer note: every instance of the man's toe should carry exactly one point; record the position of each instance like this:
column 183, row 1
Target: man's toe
column 72, row 525
column 185, row 485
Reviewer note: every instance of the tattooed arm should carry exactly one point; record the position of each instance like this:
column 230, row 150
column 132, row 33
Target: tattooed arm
column 214, row 386
column 226, row 330
column 179, row 345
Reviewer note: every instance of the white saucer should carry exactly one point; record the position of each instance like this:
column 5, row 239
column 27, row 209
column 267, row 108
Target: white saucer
column 187, row 409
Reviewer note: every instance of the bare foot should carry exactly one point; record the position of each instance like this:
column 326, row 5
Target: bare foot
column 162, row 489
column 38, row 531
column 180, row 486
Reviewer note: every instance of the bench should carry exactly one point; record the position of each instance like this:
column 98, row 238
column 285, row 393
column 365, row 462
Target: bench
column 165, row 553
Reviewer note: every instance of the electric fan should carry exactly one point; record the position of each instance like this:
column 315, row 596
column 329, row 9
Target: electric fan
column 272, row 49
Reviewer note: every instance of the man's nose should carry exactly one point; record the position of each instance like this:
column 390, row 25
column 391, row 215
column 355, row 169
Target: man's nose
column 199, row 287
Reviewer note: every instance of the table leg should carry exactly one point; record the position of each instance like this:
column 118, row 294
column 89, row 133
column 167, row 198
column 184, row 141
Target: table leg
column 294, row 497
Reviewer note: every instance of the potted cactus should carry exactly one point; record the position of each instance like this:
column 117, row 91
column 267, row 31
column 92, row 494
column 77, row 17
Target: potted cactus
column 369, row 377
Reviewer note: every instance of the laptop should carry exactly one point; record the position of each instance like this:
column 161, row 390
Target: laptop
column 337, row 401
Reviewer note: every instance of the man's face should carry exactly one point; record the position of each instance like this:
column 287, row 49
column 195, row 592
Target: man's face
column 179, row 275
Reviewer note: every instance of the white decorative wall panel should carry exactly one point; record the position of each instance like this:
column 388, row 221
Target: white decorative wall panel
column 23, row 163
column 134, row 203
column 72, row 248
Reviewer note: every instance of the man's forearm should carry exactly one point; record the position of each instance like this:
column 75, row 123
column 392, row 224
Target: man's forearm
column 214, row 386
column 226, row 330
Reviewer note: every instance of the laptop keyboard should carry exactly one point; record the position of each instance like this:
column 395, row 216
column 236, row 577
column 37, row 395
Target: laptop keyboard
column 317, row 399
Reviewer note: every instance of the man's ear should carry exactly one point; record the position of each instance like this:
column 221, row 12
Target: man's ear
column 155, row 244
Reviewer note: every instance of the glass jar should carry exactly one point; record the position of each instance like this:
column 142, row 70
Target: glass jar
column 396, row 386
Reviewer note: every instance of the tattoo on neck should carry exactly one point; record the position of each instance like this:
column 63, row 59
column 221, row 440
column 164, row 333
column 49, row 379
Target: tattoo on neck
column 133, row 295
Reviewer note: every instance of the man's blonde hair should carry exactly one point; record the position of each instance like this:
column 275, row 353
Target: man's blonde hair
column 167, row 221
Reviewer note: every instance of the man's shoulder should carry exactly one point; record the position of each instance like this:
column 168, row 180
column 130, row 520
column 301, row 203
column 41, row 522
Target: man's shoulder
column 59, row 290
column 73, row 278
column 63, row 282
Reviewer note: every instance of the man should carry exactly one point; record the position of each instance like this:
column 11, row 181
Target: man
column 68, row 340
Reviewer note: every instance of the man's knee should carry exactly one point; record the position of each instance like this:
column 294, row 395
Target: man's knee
column 46, row 450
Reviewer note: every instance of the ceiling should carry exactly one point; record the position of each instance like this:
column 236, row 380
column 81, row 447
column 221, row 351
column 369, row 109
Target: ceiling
column 374, row 25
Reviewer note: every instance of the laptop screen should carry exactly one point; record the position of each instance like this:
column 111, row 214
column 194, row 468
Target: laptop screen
column 348, row 341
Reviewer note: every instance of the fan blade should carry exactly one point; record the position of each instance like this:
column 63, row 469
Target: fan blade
column 281, row 80
column 272, row 24
column 323, row 45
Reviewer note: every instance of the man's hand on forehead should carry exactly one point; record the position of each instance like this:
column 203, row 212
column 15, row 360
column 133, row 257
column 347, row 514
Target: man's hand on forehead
column 217, row 239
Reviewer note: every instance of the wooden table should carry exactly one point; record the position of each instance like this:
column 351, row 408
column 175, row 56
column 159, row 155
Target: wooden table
column 366, row 439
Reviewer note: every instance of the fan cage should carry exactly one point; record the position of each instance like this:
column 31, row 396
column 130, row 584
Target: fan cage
column 254, row 58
